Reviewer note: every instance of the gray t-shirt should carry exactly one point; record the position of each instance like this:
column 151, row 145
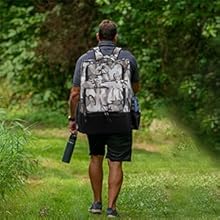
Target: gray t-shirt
column 106, row 48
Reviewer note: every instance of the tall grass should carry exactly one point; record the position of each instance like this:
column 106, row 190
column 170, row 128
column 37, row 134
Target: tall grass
column 15, row 163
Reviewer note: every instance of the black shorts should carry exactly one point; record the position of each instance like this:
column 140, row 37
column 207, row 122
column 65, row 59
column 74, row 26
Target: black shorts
column 118, row 146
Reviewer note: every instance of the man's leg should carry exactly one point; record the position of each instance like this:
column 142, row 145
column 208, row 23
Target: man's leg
column 114, row 182
column 96, row 176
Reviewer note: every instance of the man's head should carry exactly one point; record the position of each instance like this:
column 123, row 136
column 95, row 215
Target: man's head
column 107, row 30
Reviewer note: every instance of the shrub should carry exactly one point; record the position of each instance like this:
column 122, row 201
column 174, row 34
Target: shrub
column 15, row 163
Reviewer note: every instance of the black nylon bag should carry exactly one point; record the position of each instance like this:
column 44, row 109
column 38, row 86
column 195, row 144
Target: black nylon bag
column 104, row 124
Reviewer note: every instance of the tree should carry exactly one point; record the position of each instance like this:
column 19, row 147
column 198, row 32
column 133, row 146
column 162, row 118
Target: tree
column 176, row 44
column 19, row 37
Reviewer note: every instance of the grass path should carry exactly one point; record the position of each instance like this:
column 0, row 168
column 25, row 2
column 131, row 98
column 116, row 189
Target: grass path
column 159, row 183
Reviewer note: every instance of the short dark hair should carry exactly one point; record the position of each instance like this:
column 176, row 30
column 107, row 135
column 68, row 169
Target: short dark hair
column 107, row 30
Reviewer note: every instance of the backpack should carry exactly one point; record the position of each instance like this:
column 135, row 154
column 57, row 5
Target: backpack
column 105, row 94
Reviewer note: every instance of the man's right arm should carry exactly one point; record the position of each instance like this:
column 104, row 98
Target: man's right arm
column 73, row 103
column 74, row 96
column 74, row 100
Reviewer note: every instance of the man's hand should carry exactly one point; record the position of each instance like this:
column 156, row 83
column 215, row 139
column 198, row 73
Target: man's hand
column 72, row 127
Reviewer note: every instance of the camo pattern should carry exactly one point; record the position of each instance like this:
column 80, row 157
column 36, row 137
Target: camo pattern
column 105, row 83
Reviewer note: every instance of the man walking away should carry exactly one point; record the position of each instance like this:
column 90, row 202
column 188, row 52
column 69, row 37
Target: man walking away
column 105, row 79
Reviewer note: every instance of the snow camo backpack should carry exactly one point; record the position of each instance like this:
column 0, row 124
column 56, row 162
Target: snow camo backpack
column 105, row 94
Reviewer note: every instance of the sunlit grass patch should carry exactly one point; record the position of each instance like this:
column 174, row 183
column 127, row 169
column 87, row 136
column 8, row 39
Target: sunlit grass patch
column 167, row 194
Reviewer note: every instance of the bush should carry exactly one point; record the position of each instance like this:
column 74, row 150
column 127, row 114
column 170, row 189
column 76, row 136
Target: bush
column 15, row 163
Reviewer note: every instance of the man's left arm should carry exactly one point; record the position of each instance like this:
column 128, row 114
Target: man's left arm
column 136, row 87
column 134, row 75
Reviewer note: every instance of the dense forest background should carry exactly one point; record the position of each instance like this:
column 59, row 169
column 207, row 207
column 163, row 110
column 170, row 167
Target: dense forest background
column 176, row 43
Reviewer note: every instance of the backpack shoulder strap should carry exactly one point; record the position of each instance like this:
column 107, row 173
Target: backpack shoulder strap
column 97, row 52
column 116, row 52
column 99, row 55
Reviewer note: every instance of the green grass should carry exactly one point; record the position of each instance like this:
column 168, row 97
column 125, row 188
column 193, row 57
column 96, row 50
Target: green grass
column 174, row 180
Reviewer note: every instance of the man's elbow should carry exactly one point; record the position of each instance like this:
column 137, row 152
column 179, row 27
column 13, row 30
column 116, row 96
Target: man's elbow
column 74, row 94
column 136, row 87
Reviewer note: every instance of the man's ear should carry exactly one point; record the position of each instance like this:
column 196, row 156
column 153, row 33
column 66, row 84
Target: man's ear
column 115, row 38
column 97, row 37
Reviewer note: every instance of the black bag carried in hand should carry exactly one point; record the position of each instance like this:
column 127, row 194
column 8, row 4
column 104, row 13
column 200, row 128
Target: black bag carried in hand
column 135, row 113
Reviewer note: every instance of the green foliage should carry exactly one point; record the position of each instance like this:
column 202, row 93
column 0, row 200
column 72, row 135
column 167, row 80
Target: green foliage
column 64, row 36
column 39, row 46
column 5, row 94
column 19, row 37
column 15, row 164
column 41, row 116
column 177, row 46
